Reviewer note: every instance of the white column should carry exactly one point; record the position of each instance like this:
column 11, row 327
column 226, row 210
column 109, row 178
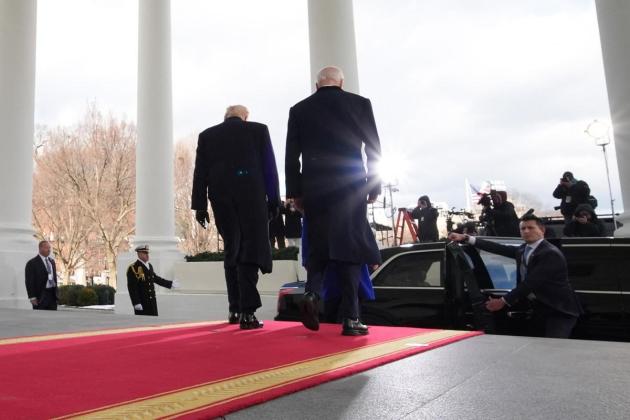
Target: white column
column 18, row 21
column 155, row 203
column 614, row 30
column 332, row 41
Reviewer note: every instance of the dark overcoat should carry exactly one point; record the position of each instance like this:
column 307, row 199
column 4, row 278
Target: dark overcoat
column 141, row 290
column 327, row 131
column 235, row 169
column 547, row 276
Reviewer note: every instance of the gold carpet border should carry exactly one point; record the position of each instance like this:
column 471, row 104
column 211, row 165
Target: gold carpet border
column 63, row 336
column 176, row 403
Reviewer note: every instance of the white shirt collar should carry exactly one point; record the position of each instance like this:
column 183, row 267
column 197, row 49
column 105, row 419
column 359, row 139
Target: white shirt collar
column 44, row 258
column 535, row 244
column 145, row 264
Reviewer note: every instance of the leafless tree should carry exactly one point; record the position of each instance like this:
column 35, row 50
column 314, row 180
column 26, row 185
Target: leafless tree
column 194, row 239
column 93, row 165
column 57, row 215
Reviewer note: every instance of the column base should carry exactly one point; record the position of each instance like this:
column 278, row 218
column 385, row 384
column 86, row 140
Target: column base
column 17, row 246
column 623, row 231
column 163, row 255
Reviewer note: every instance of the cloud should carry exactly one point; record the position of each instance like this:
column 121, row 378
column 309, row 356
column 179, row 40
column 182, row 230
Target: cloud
column 479, row 90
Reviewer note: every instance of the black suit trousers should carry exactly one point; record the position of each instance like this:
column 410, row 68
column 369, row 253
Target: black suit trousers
column 241, row 281
column 48, row 300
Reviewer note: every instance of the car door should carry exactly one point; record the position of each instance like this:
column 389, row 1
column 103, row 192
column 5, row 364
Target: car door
column 594, row 272
column 495, row 276
column 620, row 250
column 409, row 291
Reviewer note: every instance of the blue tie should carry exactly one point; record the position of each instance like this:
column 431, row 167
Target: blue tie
column 526, row 253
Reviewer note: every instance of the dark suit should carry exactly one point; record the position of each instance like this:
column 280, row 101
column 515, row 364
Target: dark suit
column 236, row 169
column 141, row 290
column 36, row 276
column 547, row 279
column 327, row 130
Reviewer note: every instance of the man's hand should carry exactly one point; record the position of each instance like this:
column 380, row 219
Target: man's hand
column 137, row 307
column 372, row 198
column 202, row 217
column 457, row 237
column 176, row 284
column 299, row 204
column 494, row 305
column 34, row 301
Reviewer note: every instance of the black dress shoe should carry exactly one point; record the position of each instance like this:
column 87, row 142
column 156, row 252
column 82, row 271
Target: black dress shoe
column 249, row 322
column 309, row 311
column 234, row 318
column 353, row 327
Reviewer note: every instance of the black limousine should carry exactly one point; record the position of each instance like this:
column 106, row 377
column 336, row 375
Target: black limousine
column 445, row 285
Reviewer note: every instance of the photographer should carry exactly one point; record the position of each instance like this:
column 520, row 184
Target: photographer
column 584, row 223
column 572, row 193
column 427, row 220
column 498, row 215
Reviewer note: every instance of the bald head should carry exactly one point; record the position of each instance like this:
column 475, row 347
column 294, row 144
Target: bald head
column 237, row 111
column 329, row 76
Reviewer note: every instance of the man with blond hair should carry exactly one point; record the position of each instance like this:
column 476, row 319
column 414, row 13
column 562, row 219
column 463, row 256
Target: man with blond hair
column 327, row 131
column 235, row 169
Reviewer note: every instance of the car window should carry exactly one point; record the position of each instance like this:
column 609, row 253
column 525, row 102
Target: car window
column 502, row 270
column 418, row 269
column 593, row 268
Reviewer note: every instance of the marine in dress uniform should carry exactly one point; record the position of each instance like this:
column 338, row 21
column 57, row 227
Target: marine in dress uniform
column 140, row 280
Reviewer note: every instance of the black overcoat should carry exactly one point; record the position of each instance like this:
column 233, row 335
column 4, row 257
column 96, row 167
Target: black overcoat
column 327, row 131
column 141, row 290
column 235, row 169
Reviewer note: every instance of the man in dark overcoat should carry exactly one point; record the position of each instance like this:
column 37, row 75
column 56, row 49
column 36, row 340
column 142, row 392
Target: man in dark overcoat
column 541, row 275
column 140, row 279
column 236, row 170
column 327, row 131
column 41, row 279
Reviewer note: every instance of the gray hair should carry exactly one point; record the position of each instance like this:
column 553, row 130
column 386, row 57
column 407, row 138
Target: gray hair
column 237, row 111
column 330, row 75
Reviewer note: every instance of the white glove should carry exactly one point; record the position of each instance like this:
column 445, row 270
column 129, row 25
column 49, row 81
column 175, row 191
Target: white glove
column 137, row 307
column 176, row 284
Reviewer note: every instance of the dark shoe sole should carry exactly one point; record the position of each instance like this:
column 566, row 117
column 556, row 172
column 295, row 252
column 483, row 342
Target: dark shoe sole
column 354, row 332
column 251, row 327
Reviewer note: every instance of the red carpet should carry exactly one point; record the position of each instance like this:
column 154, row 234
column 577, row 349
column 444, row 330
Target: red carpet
column 197, row 370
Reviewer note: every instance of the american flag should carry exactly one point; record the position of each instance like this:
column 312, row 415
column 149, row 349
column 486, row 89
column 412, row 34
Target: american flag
column 484, row 188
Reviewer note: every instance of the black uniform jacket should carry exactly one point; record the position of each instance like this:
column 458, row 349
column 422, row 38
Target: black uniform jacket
column 36, row 276
column 141, row 290
column 427, row 223
column 547, row 276
column 236, row 169
column 292, row 222
column 327, row 131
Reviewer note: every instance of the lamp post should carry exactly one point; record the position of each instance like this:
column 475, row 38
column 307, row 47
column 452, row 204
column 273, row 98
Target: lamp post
column 600, row 132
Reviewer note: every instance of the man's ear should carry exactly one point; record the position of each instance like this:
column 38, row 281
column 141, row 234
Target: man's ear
column 341, row 84
column 316, row 85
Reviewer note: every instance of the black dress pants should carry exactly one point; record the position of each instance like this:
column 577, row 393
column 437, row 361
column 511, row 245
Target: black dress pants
column 243, row 296
column 48, row 300
column 559, row 325
column 349, row 276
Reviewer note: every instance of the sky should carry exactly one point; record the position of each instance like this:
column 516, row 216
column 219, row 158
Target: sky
column 461, row 90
